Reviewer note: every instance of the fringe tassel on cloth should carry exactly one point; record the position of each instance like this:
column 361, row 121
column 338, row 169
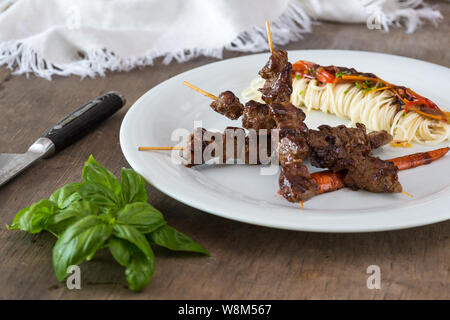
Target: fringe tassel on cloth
column 290, row 26
column 408, row 13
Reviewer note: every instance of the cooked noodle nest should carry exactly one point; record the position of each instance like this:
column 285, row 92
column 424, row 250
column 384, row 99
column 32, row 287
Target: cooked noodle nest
column 376, row 110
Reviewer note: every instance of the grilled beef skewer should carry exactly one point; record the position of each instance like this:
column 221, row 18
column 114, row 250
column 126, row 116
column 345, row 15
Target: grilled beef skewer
column 339, row 148
column 231, row 145
column 336, row 148
column 295, row 181
column 349, row 150
column 228, row 105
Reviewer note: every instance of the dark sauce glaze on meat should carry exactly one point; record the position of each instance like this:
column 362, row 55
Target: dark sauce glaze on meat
column 256, row 116
column 374, row 175
column 349, row 150
column 226, row 147
column 278, row 75
column 296, row 183
column 228, row 105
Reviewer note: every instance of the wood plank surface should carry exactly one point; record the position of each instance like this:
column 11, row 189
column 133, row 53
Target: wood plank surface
column 248, row 262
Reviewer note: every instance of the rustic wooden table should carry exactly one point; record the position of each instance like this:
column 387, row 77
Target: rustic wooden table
column 247, row 261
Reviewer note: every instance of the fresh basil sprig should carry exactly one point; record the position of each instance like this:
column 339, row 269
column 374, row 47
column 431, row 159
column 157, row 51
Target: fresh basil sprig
column 102, row 212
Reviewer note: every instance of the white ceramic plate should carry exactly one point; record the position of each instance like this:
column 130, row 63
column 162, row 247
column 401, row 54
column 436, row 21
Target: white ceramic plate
column 241, row 193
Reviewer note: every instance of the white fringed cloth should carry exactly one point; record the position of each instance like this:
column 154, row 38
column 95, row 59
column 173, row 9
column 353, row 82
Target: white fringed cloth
column 90, row 37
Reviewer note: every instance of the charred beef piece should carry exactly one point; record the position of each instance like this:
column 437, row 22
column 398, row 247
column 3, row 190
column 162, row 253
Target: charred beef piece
column 292, row 147
column 245, row 148
column 296, row 183
column 287, row 116
column 337, row 148
column 277, row 61
column 293, row 132
column 374, row 175
column 277, row 72
column 278, row 89
column 228, row 105
column 232, row 144
column 378, row 139
column 256, row 116
column 196, row 144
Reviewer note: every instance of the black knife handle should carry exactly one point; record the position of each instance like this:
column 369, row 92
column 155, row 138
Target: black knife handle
column 79, row 122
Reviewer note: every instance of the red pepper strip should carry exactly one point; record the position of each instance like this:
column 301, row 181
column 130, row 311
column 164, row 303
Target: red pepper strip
column 422, row 100
column 324, row 76
column 301, row 66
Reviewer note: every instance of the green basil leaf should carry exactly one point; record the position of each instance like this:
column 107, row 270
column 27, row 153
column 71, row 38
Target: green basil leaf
column 133, row 186
column 93, row 172
column 71, row 214
column 120, row 250
column 80, row 241
column 66, row 195
column 142, row 216
column 98, row 195
column 173, row 239
column 139, row 267
column 34, row 218
column 132, row 235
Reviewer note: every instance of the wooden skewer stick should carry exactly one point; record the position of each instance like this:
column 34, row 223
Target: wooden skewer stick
column 203, row 92
column 269, row 36
column 159, row 148
column 407, row 194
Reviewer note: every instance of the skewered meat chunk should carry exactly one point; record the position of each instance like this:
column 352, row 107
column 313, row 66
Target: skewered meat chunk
column 339, row 148
column 277, row 72
column 278, row 89
column 292, row 147
column 277, row 61
column 378, row 139
column 256, row 116
column 195, row 146
column 293, row 132
column 374, row 175
column 287, row 116
column 251, row 148
column 228, row 105
column 233, row 144
column 296, row 183
column 348, row 149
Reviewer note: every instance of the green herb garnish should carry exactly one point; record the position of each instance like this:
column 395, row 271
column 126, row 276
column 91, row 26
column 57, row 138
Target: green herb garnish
column 297, row 76
column 339, row 74
column 357, row 85
column 102, row 212
column 301, row 92
column 346, row 91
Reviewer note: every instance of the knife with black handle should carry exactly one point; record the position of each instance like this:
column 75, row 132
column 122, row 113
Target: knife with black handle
column 63, row 134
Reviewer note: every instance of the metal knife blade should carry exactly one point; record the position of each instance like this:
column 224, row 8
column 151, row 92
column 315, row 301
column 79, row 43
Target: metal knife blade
column 61, row 135
column 12, row 164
